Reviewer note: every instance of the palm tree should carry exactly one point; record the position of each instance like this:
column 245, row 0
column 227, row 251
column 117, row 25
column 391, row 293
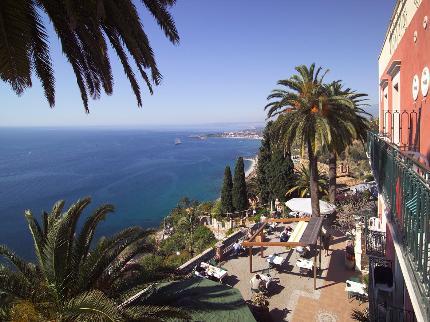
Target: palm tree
column 301, row 183
column 187, row 225
column 301, row 106
column 72, row 281
column 347, row 123
column 84, row 29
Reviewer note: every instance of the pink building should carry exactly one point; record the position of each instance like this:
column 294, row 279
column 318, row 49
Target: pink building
column 398, row 240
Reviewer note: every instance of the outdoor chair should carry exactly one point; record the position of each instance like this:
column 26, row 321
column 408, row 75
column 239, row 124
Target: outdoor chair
column 362, row 298
column 213, row 262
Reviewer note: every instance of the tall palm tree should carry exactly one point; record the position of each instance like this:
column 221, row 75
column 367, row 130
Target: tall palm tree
column 302, row 180
column 301, row 106
column 84, row 29
column 347, row 123
column 72, row 281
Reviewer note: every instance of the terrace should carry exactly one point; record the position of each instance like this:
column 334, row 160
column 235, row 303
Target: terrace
column 293, row 296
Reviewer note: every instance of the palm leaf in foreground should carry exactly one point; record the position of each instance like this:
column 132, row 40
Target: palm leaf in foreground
column 72, row 281
column 84, row 29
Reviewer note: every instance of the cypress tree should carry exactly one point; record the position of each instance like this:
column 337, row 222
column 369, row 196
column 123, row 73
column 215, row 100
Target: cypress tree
column 240, row 197
column 275, row 170
column 226, row 192
column 281, row 174
column 263, row 167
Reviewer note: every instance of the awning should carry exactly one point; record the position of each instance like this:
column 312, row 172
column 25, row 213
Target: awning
column 304, row 205
column 297, row 233
column 312, row 231
column 307, row 232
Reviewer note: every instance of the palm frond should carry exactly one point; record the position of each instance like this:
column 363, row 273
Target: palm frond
column 92, row 306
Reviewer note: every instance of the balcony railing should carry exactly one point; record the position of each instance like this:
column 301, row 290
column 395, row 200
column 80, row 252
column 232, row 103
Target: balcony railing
column 375, row 243
column 404, row 184
column 393, row 314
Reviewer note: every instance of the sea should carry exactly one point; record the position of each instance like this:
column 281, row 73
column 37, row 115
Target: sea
column 143, row 173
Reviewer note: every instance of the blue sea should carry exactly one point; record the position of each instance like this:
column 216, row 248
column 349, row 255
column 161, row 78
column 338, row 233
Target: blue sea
column 143, row 173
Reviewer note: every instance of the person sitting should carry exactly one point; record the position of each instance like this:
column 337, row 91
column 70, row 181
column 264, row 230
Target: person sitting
column 237, row 248
column 256, row 283
column 200, row 271
column 284, row 237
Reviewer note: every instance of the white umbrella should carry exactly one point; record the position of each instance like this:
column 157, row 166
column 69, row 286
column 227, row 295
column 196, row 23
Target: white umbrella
column 304, row 205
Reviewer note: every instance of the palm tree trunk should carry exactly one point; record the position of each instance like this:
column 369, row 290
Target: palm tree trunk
column 332, row 177
column 313, row 174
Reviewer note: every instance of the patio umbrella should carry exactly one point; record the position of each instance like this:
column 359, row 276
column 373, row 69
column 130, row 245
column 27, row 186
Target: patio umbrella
column 304, row 205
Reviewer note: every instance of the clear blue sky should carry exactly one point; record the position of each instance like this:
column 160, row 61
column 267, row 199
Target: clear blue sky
column 231, row 54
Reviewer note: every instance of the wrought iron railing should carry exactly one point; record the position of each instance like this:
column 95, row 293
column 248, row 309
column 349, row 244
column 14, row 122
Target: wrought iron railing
column 402, row 128
column 375, row 301
column 375, row 243
column 404, row 184
column 394, row 314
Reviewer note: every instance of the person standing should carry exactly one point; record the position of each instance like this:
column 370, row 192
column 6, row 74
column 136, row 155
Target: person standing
column 326, row 239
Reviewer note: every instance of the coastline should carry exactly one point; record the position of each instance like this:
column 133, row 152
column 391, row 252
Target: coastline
column 252, row 168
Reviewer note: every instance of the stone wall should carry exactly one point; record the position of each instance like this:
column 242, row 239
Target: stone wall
column 223, row 248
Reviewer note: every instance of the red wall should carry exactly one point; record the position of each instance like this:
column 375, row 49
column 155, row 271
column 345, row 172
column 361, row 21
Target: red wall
column 414, row 57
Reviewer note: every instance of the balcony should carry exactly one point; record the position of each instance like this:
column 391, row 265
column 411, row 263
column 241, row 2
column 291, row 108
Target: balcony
column 404, row 185
column 375, row 242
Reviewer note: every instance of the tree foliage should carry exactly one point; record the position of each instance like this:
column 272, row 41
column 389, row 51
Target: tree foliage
column 71, row 281
column 306, row 110
column 84, row 29
column 301, row 185
column 239, row 193
column 275, row 169
column 347, row 124
column 226, row 192
column 189, row 235
column 263, row 166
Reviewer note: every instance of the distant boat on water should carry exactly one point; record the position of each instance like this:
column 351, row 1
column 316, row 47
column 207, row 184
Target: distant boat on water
column 200, row 137
column 178, row 141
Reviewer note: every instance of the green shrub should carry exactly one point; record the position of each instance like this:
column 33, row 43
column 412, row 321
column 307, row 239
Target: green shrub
column 172, row 244
column 256, row 218
column 177, row 260
column 365, row 279
column 230, row 231
column 217, row 209
column 203, row 238
column 369, row 177
column 154, row 267
column 206, row 207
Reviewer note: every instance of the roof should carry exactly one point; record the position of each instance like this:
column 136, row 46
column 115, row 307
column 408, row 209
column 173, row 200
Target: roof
column 205, row 300
column 311, row 233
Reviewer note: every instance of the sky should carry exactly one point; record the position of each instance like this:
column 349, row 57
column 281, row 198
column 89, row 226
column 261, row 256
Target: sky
column 231, row 54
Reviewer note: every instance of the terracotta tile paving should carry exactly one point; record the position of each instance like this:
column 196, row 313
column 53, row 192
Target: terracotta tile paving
column 292, row 297
column 333, row 303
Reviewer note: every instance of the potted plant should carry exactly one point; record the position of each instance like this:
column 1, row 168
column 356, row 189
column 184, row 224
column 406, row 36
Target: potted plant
column 259, row 306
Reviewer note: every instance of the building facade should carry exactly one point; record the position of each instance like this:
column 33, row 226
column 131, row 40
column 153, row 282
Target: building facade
column 397, row 241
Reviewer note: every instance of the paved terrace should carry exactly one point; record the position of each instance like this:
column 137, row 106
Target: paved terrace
column 291, row 296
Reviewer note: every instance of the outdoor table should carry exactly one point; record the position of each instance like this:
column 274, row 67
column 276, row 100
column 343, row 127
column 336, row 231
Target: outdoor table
column 304, row 265
column 275, row 260
column 214, row 271
column 302, row 250
column 293, row 214
column 267, row 279
column 357, row 290
column 273, row 225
